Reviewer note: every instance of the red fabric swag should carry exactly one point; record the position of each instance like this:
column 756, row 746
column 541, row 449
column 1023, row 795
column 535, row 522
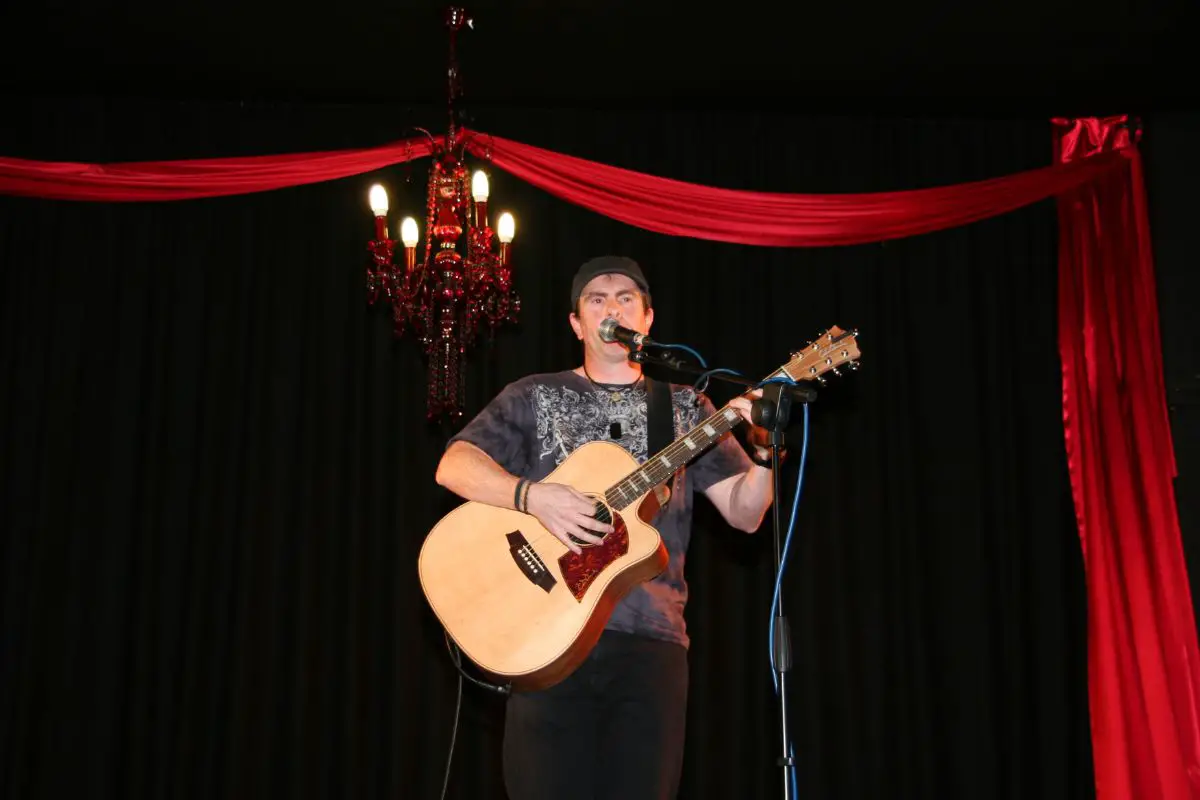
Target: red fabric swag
column 186, row 180
column 677, row 208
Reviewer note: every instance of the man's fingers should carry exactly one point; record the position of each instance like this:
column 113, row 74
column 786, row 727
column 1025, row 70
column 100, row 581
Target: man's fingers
column 583, row 527
column 592, row 524
column 566, row 539
column 573, row 538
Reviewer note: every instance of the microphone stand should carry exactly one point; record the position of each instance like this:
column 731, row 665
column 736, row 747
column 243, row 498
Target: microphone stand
column 773, row 412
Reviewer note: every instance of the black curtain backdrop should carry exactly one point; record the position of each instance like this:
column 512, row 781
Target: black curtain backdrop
column 1172, row 160
column 216, row 472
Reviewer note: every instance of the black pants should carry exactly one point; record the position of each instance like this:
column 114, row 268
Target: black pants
column 613, row 729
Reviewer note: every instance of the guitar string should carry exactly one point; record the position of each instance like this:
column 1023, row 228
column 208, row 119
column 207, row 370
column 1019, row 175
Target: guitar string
column 675, row 448
column 679, row 445
column 653, row 464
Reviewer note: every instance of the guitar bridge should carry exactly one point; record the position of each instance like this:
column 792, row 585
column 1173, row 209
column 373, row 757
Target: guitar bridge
column 529, row 562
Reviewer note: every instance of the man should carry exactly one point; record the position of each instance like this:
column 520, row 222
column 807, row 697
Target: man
column 614, row 728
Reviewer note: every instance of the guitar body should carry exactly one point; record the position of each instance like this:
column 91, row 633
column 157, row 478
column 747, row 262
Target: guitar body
column 518, row 602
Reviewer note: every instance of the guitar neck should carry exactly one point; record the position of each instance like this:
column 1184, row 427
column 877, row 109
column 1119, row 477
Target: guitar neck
column 674, row 456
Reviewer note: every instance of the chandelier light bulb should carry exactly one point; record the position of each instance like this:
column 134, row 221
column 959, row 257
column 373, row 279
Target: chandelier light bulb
column 479, row 187
column 379, row 200
column 506, row 227
column 408, row 232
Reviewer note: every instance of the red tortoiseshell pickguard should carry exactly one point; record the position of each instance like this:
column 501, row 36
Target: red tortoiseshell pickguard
column 580, row 570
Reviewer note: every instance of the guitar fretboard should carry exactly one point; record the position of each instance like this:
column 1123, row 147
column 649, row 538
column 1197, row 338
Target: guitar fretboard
column 672, row 458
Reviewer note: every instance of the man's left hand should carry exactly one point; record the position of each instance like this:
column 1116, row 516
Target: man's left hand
column 758, row 436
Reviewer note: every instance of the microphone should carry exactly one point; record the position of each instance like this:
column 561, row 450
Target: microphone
column 610, row 331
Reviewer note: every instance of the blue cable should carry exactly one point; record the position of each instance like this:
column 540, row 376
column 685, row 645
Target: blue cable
column 787, row 544
column 779, row 578
column 791, row 522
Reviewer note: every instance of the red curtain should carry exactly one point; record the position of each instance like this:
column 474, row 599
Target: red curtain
column 1143, row 662
column 778, row 220
column 186, row 180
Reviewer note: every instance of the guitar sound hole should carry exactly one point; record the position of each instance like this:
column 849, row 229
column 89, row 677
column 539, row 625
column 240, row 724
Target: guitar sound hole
column 601, row 512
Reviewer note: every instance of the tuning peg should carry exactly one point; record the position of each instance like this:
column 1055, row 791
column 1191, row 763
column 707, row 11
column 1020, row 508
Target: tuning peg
column 820, row 380
column 852, row 366
column 835, row 371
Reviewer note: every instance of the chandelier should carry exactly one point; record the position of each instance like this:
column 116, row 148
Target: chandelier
column 462, row 287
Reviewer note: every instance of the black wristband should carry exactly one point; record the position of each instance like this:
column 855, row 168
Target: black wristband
column 517, row 494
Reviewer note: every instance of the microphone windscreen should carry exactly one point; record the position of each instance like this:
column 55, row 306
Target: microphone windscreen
column 608, row 330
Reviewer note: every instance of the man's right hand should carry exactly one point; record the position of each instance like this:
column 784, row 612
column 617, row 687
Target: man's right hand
column 565, row 512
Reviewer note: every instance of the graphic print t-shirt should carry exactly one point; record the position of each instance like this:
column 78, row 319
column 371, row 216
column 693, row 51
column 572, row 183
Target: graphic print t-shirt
column 536, row 422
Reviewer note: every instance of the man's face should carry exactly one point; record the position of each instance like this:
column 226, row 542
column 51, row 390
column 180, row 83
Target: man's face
column 606, row 296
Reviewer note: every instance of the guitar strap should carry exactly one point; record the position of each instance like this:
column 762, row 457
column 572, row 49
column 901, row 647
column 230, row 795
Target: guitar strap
column 660, row 420
column 660, row 425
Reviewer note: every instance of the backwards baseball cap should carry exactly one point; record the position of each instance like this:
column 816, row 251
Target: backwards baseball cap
column 607, row 265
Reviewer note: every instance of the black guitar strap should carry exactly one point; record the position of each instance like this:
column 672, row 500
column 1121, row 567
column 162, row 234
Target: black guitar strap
column 660, row 417
column 660, row 429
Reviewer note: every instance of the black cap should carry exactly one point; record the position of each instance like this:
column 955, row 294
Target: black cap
column 607, row 265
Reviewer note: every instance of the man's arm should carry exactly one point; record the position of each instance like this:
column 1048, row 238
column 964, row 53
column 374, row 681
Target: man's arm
column 472, row 474
column 744, row 499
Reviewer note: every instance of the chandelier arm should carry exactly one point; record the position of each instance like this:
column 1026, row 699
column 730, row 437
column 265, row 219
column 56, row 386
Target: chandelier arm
column 432, row 139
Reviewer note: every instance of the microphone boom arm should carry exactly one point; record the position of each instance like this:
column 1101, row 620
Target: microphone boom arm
column 800, row 392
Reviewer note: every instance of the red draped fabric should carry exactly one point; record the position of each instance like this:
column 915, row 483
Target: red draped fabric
column 646, row 201
column 1143, row 664
column 186, row 180
column 777, row 220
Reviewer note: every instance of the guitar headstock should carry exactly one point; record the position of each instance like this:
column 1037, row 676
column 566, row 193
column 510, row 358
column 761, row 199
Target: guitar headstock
column 832, row 349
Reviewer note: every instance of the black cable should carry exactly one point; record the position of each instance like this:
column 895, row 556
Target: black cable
column 453, row 737
column 701, row 384
column 456, row 659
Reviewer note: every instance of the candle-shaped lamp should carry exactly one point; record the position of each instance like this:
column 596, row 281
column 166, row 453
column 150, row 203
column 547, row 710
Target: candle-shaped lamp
column 479, row 191
column 505, row 228
column 408, row 235
column 379, row 206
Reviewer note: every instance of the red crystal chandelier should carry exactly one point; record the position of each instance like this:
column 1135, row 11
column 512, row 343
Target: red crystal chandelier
column 453, row 295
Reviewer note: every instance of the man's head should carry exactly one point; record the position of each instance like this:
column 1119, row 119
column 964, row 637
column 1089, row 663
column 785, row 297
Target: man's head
column 609, row 286
column 608, row 265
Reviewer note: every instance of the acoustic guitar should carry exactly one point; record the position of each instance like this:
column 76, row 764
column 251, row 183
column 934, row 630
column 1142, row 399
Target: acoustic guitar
column 523, row 607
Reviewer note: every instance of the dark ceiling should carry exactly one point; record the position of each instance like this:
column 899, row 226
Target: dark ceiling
column 938, row 55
